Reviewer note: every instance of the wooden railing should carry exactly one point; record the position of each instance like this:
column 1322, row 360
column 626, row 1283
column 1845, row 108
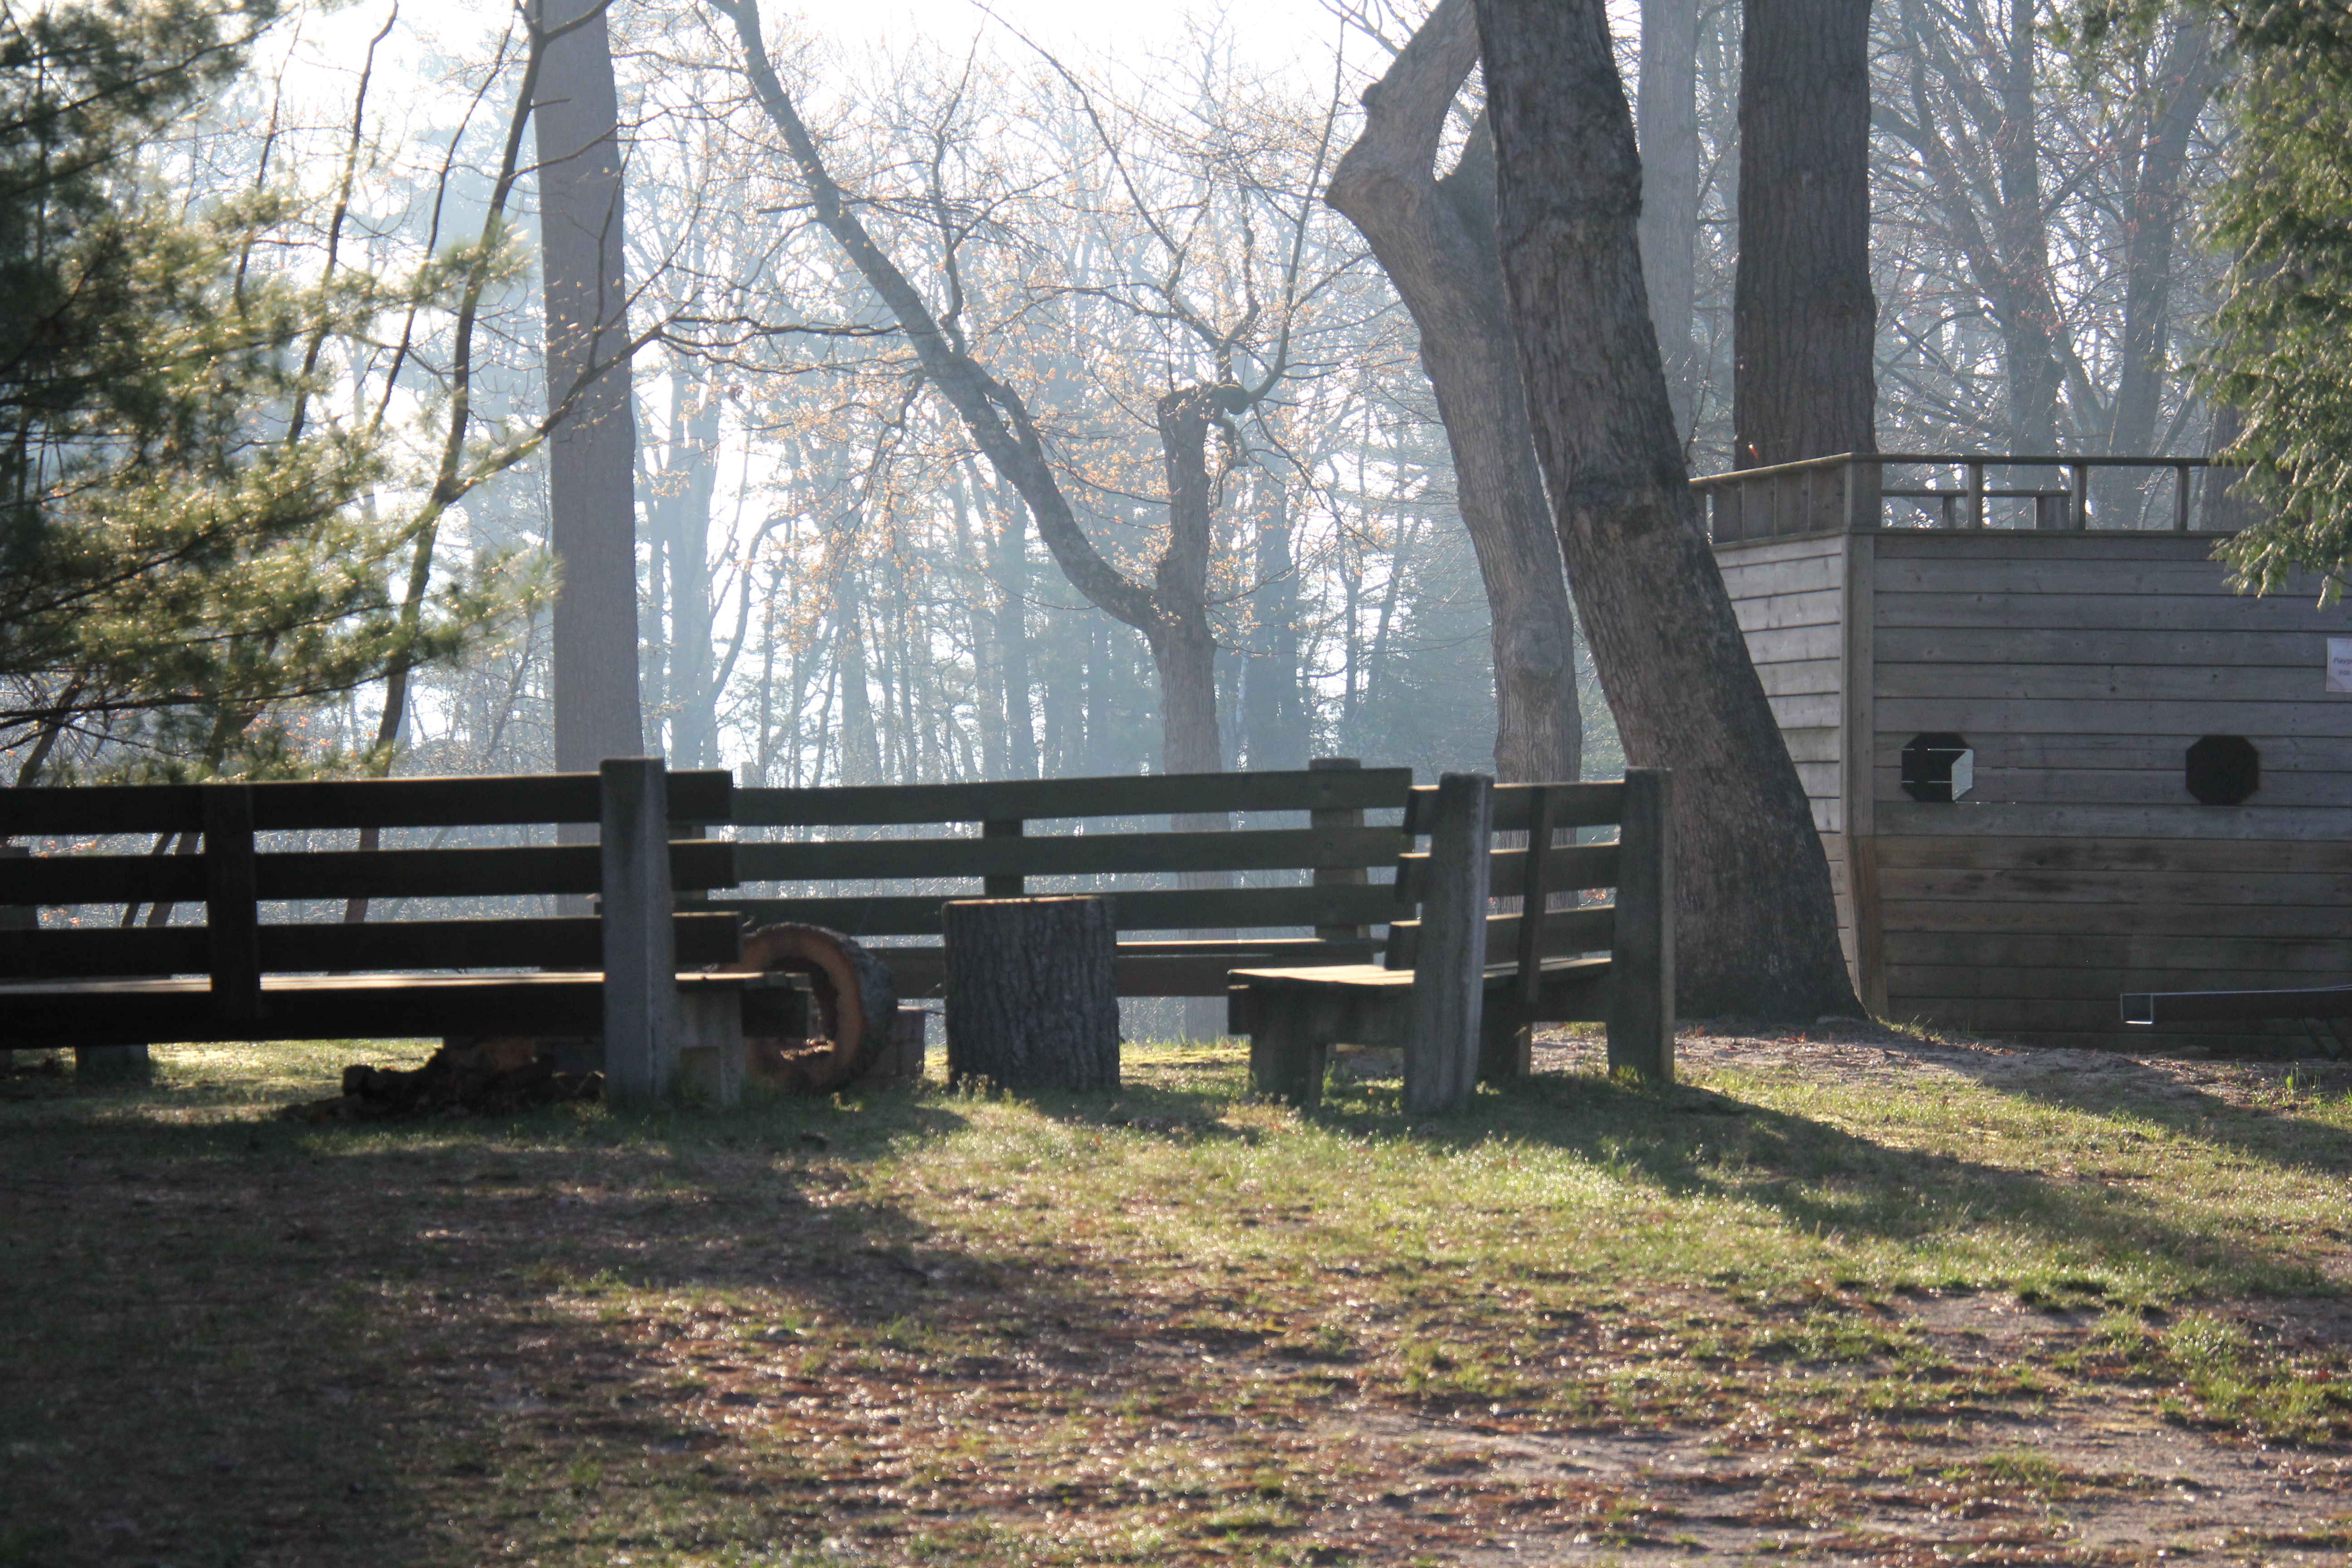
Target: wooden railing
column 1850, row 493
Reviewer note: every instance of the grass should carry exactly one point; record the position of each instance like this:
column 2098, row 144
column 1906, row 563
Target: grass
column 1169, row 1325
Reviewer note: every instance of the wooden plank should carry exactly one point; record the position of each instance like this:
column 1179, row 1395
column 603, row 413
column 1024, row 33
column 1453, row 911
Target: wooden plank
column 2121, row 887
column 2097, row 855
column 1805, row 679
column 2162, row 579
column 360, row 1007
column 1897, row 818
column 2118, row 717
column 1778, row 612
column 2316, row 922
column 1820, row 711
column 1752, row 576
column 1148, row 969
column 2185, row 954
column 1535, row 868
column 2233, row 683
column 2098, row 610
column 1180, row 909
column 2098, row 547
column 1996, row 749
column 2164, row 786
column 1785, row 645
column 1570, row 868
column 344, row 803
column 1565, row 934
column 570, row 944
column 1572, row 804
column 2073, row 645
column 1735, row 554
column 474, row 873
column 1071, row 854
column 1820, row 744
column 1034, row 800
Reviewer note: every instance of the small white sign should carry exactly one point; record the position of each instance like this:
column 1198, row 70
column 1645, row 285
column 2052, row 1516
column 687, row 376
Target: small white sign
column 1963, row 773
column 2340, row 664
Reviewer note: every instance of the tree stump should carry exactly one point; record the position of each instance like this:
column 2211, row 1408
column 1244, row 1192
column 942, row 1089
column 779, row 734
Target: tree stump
column 856, row 1006
column 1031, row 998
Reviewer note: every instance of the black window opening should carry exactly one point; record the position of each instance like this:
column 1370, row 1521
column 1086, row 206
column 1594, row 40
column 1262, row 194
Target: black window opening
column 1938, row 766
column 2223, row 770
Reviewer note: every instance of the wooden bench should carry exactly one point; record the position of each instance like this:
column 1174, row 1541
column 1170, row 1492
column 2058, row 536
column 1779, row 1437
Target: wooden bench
column 1461, row 986
column 1329, row 860
column 651, row 981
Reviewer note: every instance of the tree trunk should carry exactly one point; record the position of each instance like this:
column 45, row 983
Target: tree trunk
column 1804, row 319
column 591, row 455
column 857, row 1009
column 1030, row 996
column 1436, row 239
column 1669, row 124
column 1274, row 695
column 1756, row 922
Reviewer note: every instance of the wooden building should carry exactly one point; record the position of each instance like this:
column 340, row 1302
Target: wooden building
column 2074, row 691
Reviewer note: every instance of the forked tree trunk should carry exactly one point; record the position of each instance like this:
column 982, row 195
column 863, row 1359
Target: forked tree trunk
column 1757, row 924
column 1803, row 318
column 1436, row 239
column 591, row 455
column 1030, row 996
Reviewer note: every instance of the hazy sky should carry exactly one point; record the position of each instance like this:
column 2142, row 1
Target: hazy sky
column 1268, row 30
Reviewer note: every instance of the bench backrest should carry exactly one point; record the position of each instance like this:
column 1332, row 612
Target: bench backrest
column 231, row 878
column 1337, row 848
column 1540, row 812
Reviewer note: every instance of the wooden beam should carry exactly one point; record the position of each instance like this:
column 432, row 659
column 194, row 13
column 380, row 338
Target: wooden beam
column 1035, row 800
column 1641, row 966
column 639, row 947
column 1440, row 1037
column 232, row 923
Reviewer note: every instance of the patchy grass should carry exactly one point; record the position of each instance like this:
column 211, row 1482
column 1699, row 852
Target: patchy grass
column 1766, row 1311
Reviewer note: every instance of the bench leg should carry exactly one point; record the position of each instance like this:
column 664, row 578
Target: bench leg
column 1287, row 1058
column 709, row 1031
column 1506, row 1041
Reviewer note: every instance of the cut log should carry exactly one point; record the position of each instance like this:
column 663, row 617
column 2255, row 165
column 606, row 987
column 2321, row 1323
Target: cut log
column 856, row 1008
column 1031, row 998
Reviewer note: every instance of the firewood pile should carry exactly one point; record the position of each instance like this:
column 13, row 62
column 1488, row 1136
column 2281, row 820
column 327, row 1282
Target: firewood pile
column 473, row 1077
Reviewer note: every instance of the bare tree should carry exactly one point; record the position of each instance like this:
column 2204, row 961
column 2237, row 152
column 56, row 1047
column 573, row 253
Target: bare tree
column 1757, row 921
column 1435, row 238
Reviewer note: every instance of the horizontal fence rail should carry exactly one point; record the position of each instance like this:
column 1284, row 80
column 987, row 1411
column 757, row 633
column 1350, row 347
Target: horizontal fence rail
column 1850, row 493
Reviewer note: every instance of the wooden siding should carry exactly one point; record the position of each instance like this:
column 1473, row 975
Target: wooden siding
column 2080, row 667
column 1790, row 596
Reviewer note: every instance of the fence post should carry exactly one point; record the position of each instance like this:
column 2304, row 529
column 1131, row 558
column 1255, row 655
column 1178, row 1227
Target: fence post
column 1007, row 887
column 2082, row 488
column 1641, row 961
column 17, row 916
column 1976, row 496
column 639, row 939
column 2179, row 498
column 231, row 923
column 1449, row 978
column 1339, row 875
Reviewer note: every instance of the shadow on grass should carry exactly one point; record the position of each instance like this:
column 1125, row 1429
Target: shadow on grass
column 259, row 1343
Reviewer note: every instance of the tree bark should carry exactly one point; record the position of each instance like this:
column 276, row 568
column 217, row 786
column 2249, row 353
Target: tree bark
column 591, row 457
column 1273, row 695
column 1756, row 921
column 1803, row 317
column 1436, row 239
column 1668, row 125
column 1031, row 999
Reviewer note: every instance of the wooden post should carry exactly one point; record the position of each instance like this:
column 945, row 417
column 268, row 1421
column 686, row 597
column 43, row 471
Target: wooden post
column 1009, row 886
column 231, row 923
column 1032, row 996
column 1976, row 496
column 16, row 917
column 2081, row 475
column 1338, row 876
column 1533, row 898
column 639, row 939
column 1641, row 964
column 2179, row 498
column 1449, row 980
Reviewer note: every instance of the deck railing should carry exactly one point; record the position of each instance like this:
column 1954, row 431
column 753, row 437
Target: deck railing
column 1978, row 491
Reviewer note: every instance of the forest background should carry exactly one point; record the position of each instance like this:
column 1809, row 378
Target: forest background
column 832, row 587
